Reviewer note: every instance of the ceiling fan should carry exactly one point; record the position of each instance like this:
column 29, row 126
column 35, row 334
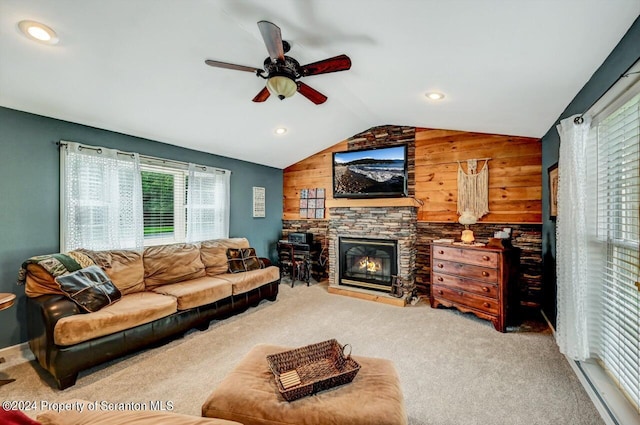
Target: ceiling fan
column 281, row 72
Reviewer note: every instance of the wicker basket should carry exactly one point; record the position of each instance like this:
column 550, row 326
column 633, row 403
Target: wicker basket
column 319, row 367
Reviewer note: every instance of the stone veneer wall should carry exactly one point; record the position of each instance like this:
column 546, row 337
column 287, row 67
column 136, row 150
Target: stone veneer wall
column 392, row 223
column 319, row 228
column 527, row 237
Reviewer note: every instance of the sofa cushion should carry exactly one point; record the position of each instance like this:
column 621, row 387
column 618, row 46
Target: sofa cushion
column 132, row 310
column 214, row 257
column 40, row 282
column 234, row 242
column 245, row 282
column 90, row 288
column 126, row 270
column 171, row 263
column 39, row 272
column 197, row 292
column 80, row 413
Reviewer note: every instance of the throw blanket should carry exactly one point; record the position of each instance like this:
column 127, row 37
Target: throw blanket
column 58, row 264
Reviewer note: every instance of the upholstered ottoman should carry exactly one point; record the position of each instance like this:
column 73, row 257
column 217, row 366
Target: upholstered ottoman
column 249, row 395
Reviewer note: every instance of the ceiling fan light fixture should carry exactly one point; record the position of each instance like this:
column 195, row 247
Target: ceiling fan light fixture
column 38, row 32
column 281, row 86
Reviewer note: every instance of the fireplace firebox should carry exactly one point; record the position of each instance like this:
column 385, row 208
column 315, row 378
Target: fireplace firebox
column 367, row 263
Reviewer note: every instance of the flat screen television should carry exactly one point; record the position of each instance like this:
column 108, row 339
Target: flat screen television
column 370, row 173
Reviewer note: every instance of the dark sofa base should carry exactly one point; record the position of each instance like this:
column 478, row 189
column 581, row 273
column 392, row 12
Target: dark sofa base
column 64, row 362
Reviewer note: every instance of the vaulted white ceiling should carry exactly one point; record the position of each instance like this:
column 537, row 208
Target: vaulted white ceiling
column 137, row 67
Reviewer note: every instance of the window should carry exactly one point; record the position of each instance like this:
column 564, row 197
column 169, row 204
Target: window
column 164, row 195
column 618, row 231
column 184, row 204
column 100, row 199
column 118, row 200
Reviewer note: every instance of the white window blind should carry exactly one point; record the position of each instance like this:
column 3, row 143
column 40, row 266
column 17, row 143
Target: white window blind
column 184, row 202
column 207, row 204
column 618, row 230
column 164, row 196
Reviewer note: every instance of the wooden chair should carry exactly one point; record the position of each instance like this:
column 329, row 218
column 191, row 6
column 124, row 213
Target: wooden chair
column 294, row 262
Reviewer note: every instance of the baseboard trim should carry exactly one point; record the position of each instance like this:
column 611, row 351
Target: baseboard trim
column 609, row 401
column 16, row 353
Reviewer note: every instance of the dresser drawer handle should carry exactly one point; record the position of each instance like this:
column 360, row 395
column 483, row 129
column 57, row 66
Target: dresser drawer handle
column 440, row 279
column 485, row 289
column 486, row 305
column 485, row 257
column 485, row 274
column 440, row 265
column 440, row 292
column 440, row 252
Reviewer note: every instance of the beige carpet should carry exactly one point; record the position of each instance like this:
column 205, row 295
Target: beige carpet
column 454, row 368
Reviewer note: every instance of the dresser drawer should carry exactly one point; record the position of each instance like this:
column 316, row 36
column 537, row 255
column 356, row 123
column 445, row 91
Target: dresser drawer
column 469, row 256
column 465, row 270
column 477, row 287
column 488, row 305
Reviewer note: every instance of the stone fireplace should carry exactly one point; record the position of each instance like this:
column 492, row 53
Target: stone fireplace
column 367, row 263
column 377, row 233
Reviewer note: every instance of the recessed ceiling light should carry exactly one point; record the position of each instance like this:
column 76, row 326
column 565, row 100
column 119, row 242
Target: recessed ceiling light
column 38, row 32
column 280, row 131
column 435, row 95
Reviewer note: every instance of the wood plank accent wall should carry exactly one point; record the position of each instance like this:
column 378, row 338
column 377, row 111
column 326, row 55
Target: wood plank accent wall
column 314, row 171
column 515, row 173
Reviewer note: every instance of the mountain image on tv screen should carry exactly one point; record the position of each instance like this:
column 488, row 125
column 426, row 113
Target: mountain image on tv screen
column 373, row 172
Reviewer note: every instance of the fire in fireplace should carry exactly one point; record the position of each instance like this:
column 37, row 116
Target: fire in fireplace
column 367, row 263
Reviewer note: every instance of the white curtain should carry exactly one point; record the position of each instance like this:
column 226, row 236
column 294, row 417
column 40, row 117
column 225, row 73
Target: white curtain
column 101, row 199
column 208, row 199
column 574, row 226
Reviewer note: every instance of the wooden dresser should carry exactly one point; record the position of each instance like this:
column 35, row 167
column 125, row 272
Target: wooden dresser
column 476, row 280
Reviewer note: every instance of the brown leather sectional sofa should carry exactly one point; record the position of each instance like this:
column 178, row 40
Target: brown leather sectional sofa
column 166, row 291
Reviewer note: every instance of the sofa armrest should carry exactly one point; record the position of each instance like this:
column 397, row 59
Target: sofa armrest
column 43, row 313
column 265, row 262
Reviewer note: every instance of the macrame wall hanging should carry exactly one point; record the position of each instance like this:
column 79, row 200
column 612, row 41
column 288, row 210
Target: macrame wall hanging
column 473, row 188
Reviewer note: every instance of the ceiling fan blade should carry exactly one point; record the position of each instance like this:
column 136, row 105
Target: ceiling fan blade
column 312, row 94
column 334, row 64
column 272, row 39
column 226, row 65
column 262, row 96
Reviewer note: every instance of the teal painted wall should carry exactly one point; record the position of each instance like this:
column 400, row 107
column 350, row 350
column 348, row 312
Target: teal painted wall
column 625, row 54
column 29, row 195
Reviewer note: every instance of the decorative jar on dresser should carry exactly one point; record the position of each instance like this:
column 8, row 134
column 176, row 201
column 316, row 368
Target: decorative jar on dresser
column 476, row 279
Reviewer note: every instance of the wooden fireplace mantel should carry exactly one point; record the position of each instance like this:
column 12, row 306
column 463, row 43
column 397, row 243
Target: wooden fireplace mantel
column 377, row 202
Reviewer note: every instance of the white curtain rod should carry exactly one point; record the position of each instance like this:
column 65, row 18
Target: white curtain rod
column 147, row 158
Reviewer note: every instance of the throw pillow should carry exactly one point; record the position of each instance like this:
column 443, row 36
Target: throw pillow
column 90, row 288
column 234, row 260
column 250, row 259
